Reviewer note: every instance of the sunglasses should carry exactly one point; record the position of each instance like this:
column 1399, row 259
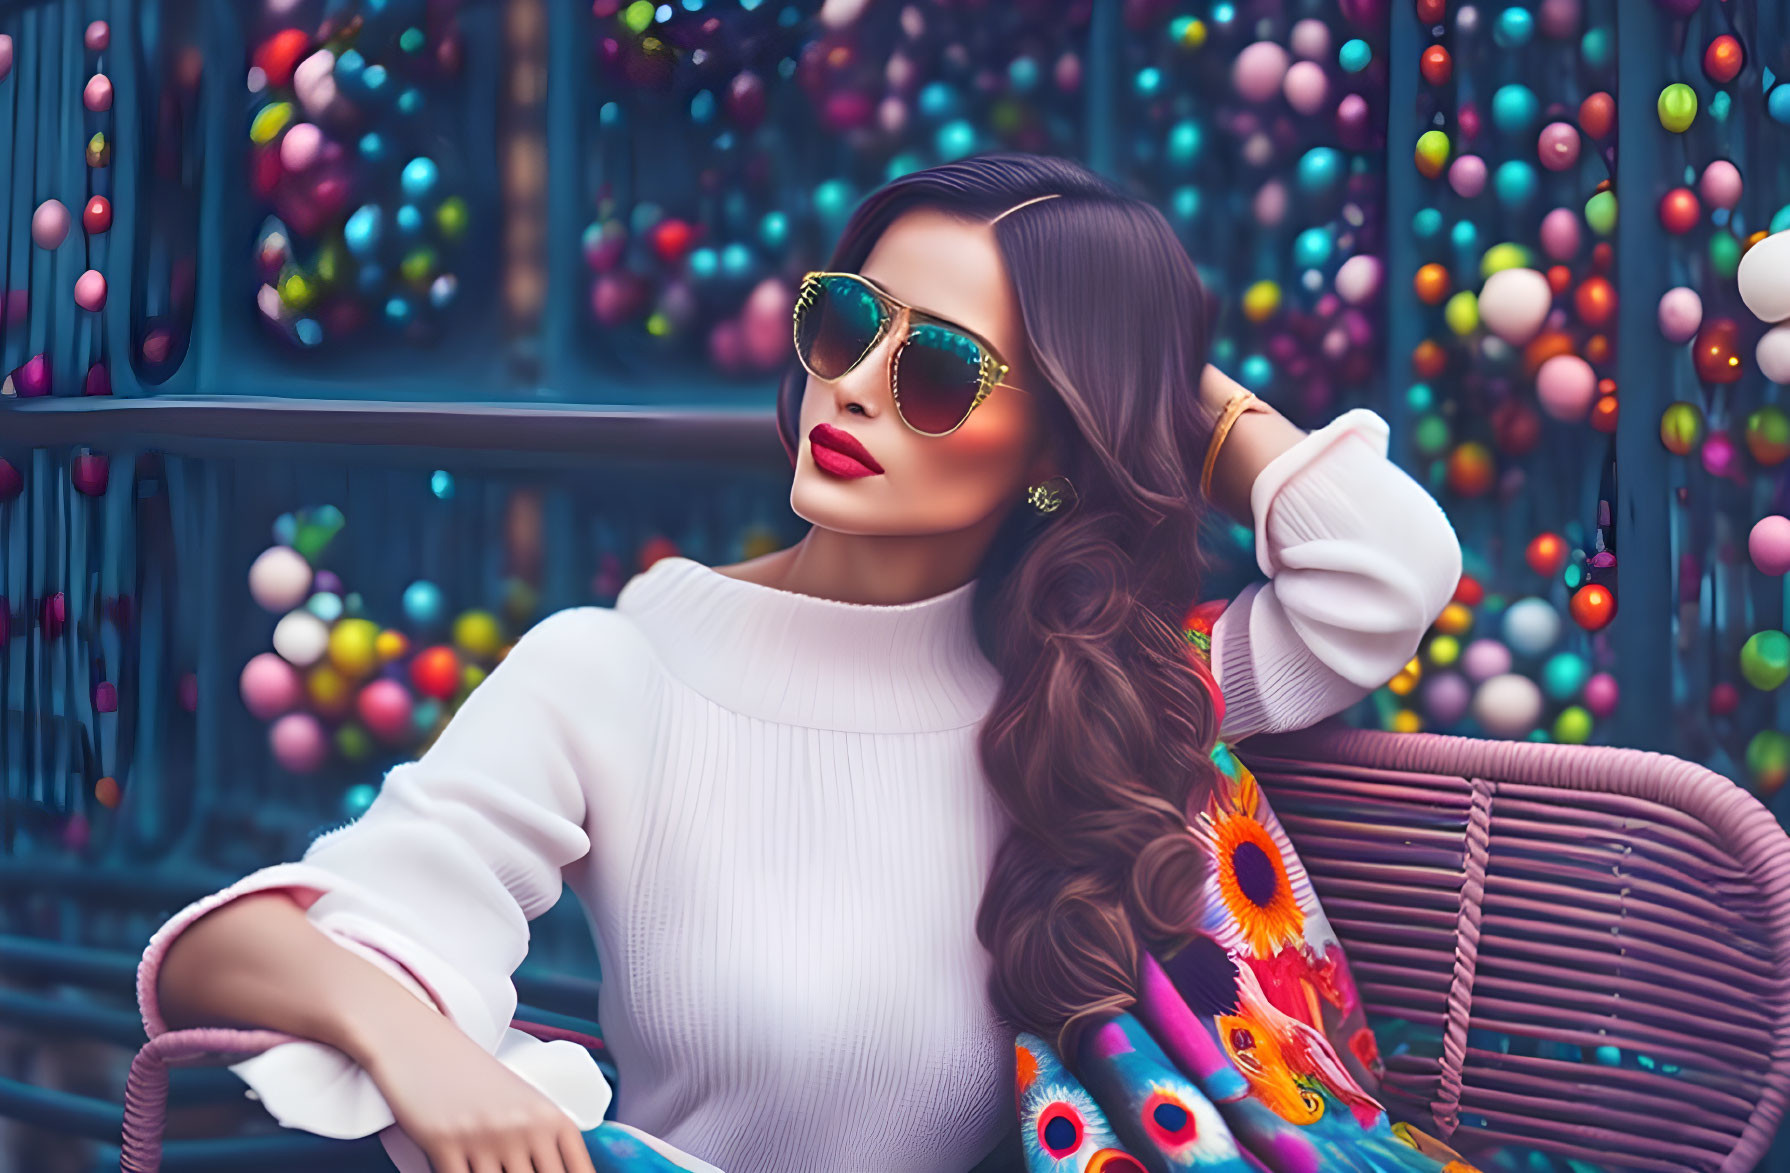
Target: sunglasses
column 938, row 373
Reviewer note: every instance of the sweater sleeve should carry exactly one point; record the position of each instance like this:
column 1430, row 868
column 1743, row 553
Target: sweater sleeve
column 1360, row 561
column 437, row 881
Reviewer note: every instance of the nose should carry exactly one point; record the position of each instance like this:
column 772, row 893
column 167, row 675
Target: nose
column 865, row 389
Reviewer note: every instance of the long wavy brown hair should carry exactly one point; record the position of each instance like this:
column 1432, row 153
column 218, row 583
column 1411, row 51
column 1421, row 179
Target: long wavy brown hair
column 1099, row 742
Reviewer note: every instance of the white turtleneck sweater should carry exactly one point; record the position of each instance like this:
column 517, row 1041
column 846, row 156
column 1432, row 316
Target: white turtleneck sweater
column 771, row 806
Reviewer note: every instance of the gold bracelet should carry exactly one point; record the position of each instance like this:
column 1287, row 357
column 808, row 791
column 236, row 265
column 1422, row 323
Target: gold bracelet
column 1234, row 408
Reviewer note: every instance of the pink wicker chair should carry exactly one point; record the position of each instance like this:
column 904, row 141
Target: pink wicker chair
column 1538, row 896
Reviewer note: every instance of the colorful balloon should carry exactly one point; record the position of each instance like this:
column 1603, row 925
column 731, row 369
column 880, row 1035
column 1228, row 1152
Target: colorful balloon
column 1677, row 107
column 1764, row 276
column 1680, row 314
column 1769, row 544
column 1565, row 385
column 1514, row 303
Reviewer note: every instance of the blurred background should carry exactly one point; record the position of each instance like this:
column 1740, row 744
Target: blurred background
column 342, row 340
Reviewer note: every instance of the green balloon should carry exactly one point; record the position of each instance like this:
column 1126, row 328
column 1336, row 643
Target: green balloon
column 1724, row 254
column 1765, row 659
column 1600, row 212
column 1768, row 760
column 1677, row 107
column 1432, row 435
column 1572, row 726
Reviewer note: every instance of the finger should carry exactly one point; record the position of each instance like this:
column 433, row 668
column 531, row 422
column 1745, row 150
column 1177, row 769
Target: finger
column 445, row 1159
column 486, row 1161
column 546, row 1155
column 516, row 1158
column 575, row 1152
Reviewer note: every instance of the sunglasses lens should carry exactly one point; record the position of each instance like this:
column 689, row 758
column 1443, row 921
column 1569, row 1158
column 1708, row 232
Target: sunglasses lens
column 835, row 324
column 937, row 378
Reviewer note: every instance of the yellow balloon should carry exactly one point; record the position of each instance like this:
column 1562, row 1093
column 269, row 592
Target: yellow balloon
column 328, row 689
column 1444, row 650
column 1406, row 721
column 391, row 645
column 1261, row 300
column 477, row 634
column 471, row 677
column 1462, row 313
column 353, row 647
column 1406, row 681
column 1503, row 256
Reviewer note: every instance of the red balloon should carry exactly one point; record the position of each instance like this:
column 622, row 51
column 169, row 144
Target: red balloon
column 1597, row 115
column 1679, row 211
column 96, row 217
column 1716, row 352
column 1436, row 65
column 1431, row 11
column 1546, row 554
column 1595, row 302
column 1593, row 606
column 436, row 672
column 1723, row 59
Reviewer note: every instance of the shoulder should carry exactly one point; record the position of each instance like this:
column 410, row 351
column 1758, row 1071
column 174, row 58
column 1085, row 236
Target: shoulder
column 581, row 650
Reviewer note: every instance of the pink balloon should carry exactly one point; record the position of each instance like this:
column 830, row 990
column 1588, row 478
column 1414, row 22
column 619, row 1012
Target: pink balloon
column 1680, row 314
column 1558, row 146
column 1359, row 278
column 97, row 96
column 298, row 743
column 1560, row 234
column 1258, row 71
column 1721, row 456
column 1306, row 87
column 90, row 290
column 1721, row 184
column 49, row 224
column 300, row 146
column 1566, row 385
column 1769, row 544
column 5, row 56
column 1466, row 175
column 1559, row 18
column 1484, row 659
column 1601, row 694
column 269, row 686
column 1514, row 303
column 1270, row 204
column 386, row 710
column 98, row 36
column 1311, row 40
column 1351, row 114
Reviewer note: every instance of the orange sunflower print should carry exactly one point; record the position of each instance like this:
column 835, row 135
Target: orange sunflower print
column 1252, row 879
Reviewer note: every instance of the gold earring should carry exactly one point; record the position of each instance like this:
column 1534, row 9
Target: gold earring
column 1050, row 495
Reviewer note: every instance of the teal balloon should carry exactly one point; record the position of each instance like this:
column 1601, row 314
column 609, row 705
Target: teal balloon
column 938, row 101
column 325, row 605
column 1420, row 397
column 1022, row 74
column 956, row 139
column 1184, row 140
column 360, row 796
column 833, row 200
column 423, row 603
column 410, row 102
column 704, row 263
column 1464, row 234
column 1224, row 352
column 905, row 163
column 1514, row 108
column 1256, row 373
column 773, row 230
column 1596, row 47
column 399, row 311
column 1564, row 675
column 1355, row 55
column 426, row 713
column 1778, row 104
column 372, row 146
column 1514, row 182
column 1514, row 29
column 1426, row 223
column 1312, row 248
column 702, row 107
column 363, row 230
column 1186, row 202
column 1721, row 105
column 1320, row 169
column 1148, row 82
column 736, row 260
column 1781, row 221
column 410, row 219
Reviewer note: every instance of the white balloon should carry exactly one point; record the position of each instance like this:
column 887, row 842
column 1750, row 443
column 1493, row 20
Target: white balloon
column 1359, row 278
column 1531, row 626
column 301, row 638
column 1515, row 303
column 1774, row 353
column 279, row 579
column 1764, row 278
column 1508, row 706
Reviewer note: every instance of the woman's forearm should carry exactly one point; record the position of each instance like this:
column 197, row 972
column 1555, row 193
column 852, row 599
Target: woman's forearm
column 257, row 961
column 1255, row 439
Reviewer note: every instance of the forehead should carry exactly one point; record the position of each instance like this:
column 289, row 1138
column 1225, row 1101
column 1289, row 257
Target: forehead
column 947, row 267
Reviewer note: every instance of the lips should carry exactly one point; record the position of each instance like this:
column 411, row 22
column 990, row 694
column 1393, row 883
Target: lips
column 839, row 452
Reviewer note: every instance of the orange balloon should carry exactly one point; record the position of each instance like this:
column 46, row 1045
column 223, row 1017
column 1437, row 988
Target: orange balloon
column 1593, row 606
column 107, row 792
column 1603, row 414
column 1431, row 284
column 1546, row 554
column 1546, row 345
column 1471, row 469
column 1597, row 348
column 1429, row 360
column 1595, row 302
column 1752, row 239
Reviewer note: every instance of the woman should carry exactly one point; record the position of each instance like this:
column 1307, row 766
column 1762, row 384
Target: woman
column 847, row 816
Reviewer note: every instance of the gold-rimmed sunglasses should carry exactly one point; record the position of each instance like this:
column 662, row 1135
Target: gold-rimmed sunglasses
column 938, row 373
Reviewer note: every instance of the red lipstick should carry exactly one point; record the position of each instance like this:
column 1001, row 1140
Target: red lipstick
column 837, row 451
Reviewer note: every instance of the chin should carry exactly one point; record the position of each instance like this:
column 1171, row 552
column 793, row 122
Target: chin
column 833, row 505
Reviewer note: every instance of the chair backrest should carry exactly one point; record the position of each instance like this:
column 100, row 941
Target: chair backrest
column 1574, row 949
